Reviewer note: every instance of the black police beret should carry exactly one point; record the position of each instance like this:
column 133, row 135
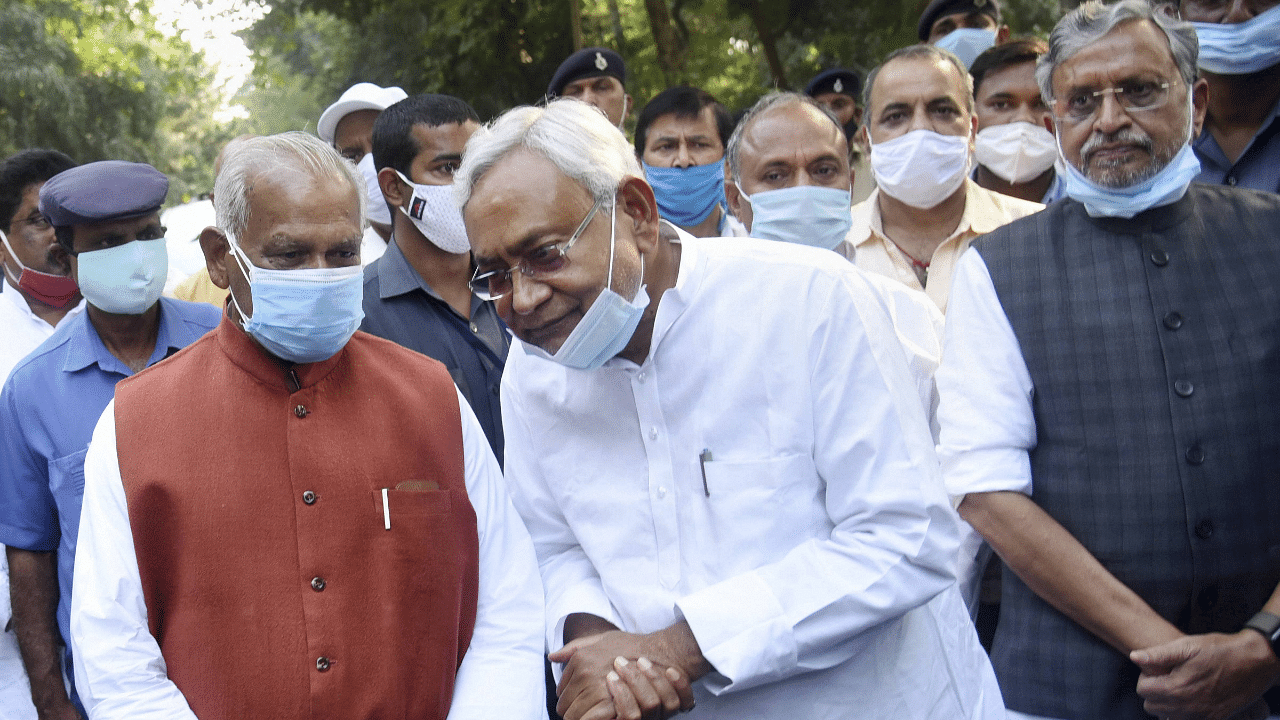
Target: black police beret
column 836, row 80
column 587, row 62
column 101, row 191
column 942, row 8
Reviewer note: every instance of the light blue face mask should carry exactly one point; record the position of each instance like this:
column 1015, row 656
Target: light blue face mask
column 302, row 316
column 607, row 326
column 687, row 196
column 1240, row 48
column 125, row 279
column 967, row 43
column 805, row 214
column 1165, row 187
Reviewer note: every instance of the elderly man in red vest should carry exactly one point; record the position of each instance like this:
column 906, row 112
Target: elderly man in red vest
column 293, row 519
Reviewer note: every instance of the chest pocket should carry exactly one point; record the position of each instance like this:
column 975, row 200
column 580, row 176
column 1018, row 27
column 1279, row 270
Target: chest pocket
column 779, row 499
column 66, row 483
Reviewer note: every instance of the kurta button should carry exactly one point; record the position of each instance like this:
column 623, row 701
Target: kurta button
column 317, row 583
column 309, row 497
column 1159, row 258
column 641, row 376
column 301, row 411
column 1173, row 320
column 322, row 663
column 1184, row 388
column 1195, row 455
column 1204, row 529
column 653, row 433
column 662, row 492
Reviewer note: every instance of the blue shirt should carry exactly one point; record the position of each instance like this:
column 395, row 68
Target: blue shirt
column 1258, row 167
column 401, row 307
column 48, row 409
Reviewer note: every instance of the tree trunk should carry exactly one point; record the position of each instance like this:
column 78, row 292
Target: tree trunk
column 670, row 47
column 619, row 37
column 575, row 23
column 768, row 41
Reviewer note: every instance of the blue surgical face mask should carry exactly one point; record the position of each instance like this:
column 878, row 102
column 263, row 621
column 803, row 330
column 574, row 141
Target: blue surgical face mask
column 1240, row 48
column 606, row 327
column 302, row 316
column 967, row 43
column 804, row 214
column 1165, row 187
column 125, row 279
column 687, row 196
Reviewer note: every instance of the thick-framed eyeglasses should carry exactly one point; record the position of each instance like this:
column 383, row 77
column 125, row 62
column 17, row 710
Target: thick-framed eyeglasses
column 1133, row 96
column 537, row 263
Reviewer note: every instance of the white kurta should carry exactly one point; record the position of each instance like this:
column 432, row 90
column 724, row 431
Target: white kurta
column 815, row 564
column 120, row 673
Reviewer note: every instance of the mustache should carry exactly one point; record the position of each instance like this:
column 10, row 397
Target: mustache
column 1124, row 136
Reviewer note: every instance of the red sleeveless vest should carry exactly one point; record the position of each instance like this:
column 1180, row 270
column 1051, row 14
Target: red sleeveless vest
column 255, row 497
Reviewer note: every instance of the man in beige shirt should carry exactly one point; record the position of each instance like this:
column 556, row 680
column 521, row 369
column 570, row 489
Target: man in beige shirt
column 925, row 211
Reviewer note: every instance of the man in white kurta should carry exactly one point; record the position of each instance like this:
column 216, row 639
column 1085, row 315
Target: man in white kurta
column 763, row 476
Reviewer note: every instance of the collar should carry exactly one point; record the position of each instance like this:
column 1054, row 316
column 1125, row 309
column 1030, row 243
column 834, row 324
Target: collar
column 396, row 276
column 981, row 214
column 1205, row 142
column 14, row 297
column 85, row 347
column 672, row 303
column 246, row 354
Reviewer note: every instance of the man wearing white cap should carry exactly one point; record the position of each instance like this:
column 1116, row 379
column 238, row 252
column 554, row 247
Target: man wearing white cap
column 347, row 125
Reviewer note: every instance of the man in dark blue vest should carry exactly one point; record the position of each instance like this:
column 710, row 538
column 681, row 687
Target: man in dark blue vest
column 1109, row 400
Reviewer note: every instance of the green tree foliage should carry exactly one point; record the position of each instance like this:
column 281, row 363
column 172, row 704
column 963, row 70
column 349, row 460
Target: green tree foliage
column 501, row 53
column 95, row 79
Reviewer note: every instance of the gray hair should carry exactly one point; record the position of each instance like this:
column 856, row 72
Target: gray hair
column 733, row 153
column 1091, row 21
column 248, row 159
column 573, row 135
column 921, row 51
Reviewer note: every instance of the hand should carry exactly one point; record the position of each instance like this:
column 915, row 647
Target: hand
column 1210, row 677
column 596, row 686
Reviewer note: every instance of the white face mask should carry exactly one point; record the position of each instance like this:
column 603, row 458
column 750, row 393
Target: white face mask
column 436, row 215
column 378, row 211
column 921, row 168
column 1016, row 152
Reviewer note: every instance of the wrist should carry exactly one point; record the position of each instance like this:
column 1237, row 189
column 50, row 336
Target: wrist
column 677, row 647
column 1266, row 626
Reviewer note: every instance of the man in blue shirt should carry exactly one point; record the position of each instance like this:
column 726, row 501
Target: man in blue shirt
column 106, row 215
column 417, row 294
column 1240, row 60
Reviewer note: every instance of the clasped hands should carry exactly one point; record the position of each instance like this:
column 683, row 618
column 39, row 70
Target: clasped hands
column 622, row 675
column 1214, row 676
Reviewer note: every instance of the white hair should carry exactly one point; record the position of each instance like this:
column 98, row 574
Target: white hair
column 1092, row 20
column 577, row 137
column 291, row 152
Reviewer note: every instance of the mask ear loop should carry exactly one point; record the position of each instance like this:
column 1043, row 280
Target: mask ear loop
column 248, row 276
column 613, row 227
column 5, row 239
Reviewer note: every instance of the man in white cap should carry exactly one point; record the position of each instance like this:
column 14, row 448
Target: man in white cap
column 347, row 125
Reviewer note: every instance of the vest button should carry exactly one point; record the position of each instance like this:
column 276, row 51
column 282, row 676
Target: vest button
column 1173, row 320
column 1195, row 455
column 301, row 411
column 322, row 663
column 317, row 583
column 1204, row 529
column 1231, row 180
column 1184, row 388
column 1159, row 258
column 309, row 497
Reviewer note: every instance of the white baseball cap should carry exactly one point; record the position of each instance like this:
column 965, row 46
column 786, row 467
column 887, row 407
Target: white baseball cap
column 361, row 96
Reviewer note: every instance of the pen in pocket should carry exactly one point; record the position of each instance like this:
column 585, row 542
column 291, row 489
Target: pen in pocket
column 703, row 459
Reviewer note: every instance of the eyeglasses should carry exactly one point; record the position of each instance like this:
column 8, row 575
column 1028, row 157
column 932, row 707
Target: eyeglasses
column 537, row 263
column 37, row 221
column 1133, row 96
